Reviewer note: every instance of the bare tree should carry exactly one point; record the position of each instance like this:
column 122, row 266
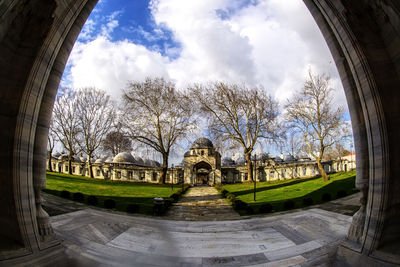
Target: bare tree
column 115, row 142
column 238, row 114
column 95, row 114
column 312, row 113
column 157, row 115
column 66, row 124
column 51, row 142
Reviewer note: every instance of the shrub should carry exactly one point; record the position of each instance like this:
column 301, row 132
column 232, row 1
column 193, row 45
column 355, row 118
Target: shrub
column 326, row 197
column 224, row 192
column 109, row 203
column 168, row 202
column 65, row 194
column 240, row 205
column 288, row 204
column 175, row 196
column 230, row 196
column 249, row 210
column 341, row 193
column 308, row 201
column 266, row 208
column 78, row 196
column 92, row 200
column 132, row 208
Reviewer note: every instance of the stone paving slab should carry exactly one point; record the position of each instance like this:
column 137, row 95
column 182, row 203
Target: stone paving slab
column 108, row 239
column 202, row 203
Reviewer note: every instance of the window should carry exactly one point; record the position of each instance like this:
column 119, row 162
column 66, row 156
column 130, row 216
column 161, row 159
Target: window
column 304, row 171
column 141, row 176
column 66, row 168
column 154, row 178
column 73, row 169
column 246, row 177
column 168, row 177
column 202, row 152
column 118, row 173
column 130, row 175
column 54, row 166
column 283, row 172
column 271, row 174
column 97, row 172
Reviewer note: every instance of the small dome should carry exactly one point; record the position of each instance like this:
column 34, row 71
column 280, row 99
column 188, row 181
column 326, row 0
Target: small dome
column 124, row 157
column 108, row 160
column 187, row 154
column 82, row 159
column 139, row 160
column 77, row 159
column 148, row 162
column 99, row 161
column 63, row 157
column 288, row 157
column 228, row 161
column 57, row 154
column 202, row 143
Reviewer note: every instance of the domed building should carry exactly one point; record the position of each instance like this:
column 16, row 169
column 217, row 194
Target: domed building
column 124, row 158
column 202, row 164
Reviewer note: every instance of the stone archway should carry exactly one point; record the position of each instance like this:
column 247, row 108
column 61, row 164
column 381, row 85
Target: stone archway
column 202, row 171
column 36, row 38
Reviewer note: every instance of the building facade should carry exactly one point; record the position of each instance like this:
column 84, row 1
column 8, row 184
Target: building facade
column 202, row 165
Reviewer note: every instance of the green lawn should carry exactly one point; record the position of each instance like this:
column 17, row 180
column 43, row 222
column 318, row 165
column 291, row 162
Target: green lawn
column 123, row 193
column 277, row 192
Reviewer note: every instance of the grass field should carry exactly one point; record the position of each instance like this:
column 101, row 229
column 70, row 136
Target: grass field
column 277, row 192
column 123, row 193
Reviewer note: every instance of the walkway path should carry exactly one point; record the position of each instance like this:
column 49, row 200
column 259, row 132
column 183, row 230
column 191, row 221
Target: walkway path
column 202, row 203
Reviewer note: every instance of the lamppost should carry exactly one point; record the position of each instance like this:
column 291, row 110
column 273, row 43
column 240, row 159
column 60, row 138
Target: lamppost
column 255, row 175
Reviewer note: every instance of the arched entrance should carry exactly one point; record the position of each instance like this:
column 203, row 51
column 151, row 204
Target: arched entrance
column 202, row 171
column 37, row 37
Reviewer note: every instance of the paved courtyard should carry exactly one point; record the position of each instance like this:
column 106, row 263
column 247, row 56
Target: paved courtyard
column 98, row 238
column 200, row 230
column 202, row 203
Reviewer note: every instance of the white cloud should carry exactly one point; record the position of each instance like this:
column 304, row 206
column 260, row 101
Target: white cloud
column 268, row 42
column 110, row 65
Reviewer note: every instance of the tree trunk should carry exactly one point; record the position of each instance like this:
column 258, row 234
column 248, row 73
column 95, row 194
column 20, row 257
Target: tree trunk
column 89, row 163
column 249, row 166
column 70, row 163
column 321, row 170
column 164, row 169
column 49, row 162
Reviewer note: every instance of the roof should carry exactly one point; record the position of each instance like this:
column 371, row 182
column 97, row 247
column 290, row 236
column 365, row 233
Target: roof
column 202, row 143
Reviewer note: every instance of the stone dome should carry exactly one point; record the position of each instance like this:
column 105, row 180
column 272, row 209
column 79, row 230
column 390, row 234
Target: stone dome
column 57, row 154
column 109, row 160
column 288, row 157
column 139, row 160
column 124, row 157
column 99, row 161
column 63, row 157
column 187, row 154
column 77, row 159
column 202, row 143
column 228, row 161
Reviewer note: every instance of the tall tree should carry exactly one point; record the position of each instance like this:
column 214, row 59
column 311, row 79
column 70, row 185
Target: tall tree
column 157, row 115
column 238, row 114
column 311, row 112
column 95, row 114
column 51, row 142
column 116, row 142
column 66, row 124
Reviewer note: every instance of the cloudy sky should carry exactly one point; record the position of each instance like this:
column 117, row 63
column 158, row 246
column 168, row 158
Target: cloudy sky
column 271, row 43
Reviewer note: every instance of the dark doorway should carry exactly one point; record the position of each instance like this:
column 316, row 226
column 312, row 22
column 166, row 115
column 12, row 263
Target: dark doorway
column 202, row 173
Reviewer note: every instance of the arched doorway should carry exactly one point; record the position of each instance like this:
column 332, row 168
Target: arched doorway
column 202, row 171
column 37, row 37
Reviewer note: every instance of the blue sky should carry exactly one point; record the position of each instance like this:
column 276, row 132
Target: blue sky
column 271, row 43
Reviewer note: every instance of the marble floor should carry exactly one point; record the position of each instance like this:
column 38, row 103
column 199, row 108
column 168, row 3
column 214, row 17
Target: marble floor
column 98, row 238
